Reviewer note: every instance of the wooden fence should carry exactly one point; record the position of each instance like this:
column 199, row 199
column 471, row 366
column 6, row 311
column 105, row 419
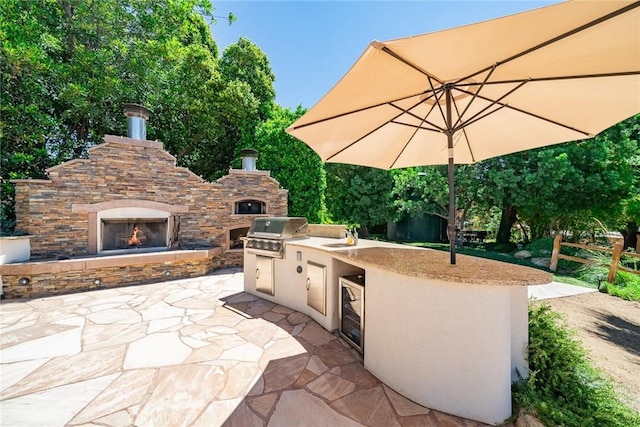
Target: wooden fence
column 614, row 266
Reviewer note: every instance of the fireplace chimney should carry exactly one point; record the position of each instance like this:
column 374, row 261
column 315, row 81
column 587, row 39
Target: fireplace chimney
column 137, row 117
column 249, row 156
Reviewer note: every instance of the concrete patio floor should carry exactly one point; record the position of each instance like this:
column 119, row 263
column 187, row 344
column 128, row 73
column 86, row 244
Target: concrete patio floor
column 194, row 352
column 556, row 290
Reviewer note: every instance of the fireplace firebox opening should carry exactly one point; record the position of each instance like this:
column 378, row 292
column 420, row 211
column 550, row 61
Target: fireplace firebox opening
column 134, row 233
column 235, row 235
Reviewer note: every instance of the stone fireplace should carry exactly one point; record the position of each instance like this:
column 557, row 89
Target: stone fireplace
column 140, row 224
column 133, row 233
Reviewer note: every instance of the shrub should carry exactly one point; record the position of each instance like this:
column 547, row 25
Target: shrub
column 540, row 246
column 500, row 247
column 625, row 285
column 563, row 389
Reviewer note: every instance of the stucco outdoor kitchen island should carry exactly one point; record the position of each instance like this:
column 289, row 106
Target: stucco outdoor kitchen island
column 449, row 337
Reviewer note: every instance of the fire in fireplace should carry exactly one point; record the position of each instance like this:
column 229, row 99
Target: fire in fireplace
column 134, row 233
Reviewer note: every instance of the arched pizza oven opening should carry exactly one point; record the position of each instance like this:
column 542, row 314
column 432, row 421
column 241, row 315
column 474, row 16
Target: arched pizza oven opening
column 250, row 207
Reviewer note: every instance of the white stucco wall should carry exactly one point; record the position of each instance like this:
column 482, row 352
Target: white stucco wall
column 290, row 286
column 519, row 332
column 446, row 346
column 14, row 249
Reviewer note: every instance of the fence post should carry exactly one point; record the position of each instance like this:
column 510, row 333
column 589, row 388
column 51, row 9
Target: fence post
column 617, row 251
column 556, row 252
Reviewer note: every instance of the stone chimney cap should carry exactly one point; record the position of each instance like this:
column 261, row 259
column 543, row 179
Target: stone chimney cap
column 136, row 110
column 249, row 152
column 249, row 156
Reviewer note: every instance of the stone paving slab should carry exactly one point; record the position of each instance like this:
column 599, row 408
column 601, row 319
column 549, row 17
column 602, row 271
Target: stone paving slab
column 556, row 290
column 196, row 352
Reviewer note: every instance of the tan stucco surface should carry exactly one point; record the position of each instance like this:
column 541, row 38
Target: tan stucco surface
column 432, row 264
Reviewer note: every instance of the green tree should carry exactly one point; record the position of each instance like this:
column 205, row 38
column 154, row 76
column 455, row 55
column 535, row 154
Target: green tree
column 359, row 195
column 68, row 66
column 292, row 163
column 562, row 185
column 420, row 190
column 627, row 134
column 245, row 99
column 570, row 186
column 243, row 61
column 425, row 190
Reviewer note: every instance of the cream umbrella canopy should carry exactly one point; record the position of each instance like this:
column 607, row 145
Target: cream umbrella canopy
column 559, row 73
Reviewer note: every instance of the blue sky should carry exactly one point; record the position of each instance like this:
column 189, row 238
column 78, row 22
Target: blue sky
column 312, row 44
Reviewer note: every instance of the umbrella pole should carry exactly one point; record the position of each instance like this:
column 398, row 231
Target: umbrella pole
column 451, row 226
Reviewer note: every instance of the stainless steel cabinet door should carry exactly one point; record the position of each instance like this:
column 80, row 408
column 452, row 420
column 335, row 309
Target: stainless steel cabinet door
column 265, row 280
column 317, row 287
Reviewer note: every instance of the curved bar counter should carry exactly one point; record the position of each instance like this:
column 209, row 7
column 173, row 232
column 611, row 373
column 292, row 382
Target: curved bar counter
column 449, row 337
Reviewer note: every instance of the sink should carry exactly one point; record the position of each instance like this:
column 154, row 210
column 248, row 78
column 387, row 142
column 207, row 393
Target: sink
column 337, row 245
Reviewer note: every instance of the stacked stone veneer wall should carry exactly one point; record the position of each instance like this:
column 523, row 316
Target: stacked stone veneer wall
column 60, row 214
column 45, row 280
column 127, row 171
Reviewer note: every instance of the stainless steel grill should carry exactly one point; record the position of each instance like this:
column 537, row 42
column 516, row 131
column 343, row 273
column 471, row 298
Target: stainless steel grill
column 268, row 236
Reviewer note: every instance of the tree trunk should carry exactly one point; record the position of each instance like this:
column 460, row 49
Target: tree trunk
column 524, row 231
column 507, row 219
column 630, row 234
column 68, row 11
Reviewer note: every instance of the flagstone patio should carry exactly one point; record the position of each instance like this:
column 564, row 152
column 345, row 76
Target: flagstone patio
column 195, row 352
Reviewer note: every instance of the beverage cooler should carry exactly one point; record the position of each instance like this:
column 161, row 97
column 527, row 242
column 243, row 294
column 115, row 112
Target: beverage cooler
column 352, row 310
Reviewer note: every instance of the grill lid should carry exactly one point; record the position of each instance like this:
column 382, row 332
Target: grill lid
column 279, row 227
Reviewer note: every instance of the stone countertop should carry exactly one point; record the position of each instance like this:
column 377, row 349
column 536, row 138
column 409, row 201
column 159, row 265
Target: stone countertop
column 429, row 263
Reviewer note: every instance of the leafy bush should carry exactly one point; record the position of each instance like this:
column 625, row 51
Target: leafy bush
column 592, row 273
column 500, row 247
column 626, row 286
column 563, row 389
column 540, row 246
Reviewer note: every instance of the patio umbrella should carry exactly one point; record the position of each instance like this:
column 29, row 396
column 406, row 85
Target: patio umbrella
column 559, row 73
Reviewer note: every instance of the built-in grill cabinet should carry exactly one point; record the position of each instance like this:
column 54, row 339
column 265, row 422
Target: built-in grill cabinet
column 317, row 287
column 352, row 310
column 267, row 236
column 265, row 279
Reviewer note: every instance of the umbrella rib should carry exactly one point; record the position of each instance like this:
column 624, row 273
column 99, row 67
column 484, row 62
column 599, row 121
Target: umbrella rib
column 473, row 98
column 389, row 52
column 437, row 130
column 406, row 144
column 438, row 98
column 359, row 110
column 558, row 38
column 424, row 120
column 480, row 117
column 464, row 130
column 360, row 139
column 528, row 113
column 554, row 78
column 492, row 103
